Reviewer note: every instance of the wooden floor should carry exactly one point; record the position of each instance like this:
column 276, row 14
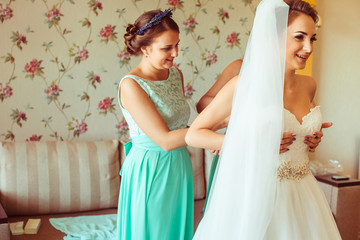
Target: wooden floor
column 47, row 231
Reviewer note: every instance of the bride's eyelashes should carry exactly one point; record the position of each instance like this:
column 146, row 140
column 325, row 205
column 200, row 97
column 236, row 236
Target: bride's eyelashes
column 302, row 37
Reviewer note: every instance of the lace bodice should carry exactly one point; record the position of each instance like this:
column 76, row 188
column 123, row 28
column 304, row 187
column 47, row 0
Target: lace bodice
column 168, row 98
column 294, row 164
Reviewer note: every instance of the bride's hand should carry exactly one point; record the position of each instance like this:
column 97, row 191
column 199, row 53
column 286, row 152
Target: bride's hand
column 313, row 140
column 286, row 141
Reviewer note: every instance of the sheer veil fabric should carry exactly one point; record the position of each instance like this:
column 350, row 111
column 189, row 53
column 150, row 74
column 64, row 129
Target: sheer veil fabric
column 242, row 198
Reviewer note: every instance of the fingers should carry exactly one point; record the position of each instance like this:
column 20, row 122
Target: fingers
column 286, row 141
column 283, row 150
column 311, row 149
column 318, row 134
column 287, row 138
column 313, row 141
column 288, row 135
column 326, row 125
column 215, row 152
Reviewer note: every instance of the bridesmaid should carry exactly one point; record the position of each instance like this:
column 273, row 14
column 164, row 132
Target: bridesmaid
column 156, row 194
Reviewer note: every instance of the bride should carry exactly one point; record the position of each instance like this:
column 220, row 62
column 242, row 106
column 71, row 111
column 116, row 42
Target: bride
column 259, row 193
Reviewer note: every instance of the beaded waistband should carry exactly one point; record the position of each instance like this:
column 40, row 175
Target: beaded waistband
column 290, row 172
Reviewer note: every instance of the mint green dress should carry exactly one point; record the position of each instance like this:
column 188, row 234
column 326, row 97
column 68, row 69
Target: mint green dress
column 156, row 198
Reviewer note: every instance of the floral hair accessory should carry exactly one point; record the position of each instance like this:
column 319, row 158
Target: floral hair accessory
column 155, row 21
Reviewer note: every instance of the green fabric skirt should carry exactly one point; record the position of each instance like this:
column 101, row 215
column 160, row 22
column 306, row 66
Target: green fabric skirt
column 156, row 194
column 211, row 177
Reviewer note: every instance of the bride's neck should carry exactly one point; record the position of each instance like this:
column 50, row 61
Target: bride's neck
column 289, row 80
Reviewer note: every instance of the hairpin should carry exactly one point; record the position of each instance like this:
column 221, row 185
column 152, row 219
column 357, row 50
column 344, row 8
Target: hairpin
column 154, row 21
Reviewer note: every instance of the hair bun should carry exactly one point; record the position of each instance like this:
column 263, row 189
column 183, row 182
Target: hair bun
column 132, row 29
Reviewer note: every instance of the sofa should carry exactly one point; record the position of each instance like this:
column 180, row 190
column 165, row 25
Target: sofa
column 52, row 179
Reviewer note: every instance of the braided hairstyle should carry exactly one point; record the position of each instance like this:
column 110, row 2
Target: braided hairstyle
column 134, row 41
column 296, row 7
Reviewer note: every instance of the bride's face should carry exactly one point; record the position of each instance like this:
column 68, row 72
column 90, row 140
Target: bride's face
column 300, row 38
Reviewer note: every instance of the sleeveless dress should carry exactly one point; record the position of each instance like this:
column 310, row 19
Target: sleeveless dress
column 301, row 209
column 156, row 199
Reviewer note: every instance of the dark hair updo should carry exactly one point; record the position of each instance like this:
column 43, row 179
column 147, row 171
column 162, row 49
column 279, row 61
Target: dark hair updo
column 134, row 41
column 296, row 7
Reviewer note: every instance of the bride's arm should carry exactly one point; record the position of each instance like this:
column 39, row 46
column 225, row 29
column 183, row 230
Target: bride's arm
column 201, row 132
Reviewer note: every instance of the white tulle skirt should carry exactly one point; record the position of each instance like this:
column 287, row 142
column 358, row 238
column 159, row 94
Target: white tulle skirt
column 301, row 212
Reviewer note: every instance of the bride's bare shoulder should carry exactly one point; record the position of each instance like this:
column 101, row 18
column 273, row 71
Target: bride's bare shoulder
column 308, row 84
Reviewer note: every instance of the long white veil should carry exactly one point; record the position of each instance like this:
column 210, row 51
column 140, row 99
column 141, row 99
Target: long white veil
column 241, row 201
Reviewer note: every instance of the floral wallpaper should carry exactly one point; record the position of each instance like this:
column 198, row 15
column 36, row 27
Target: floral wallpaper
column 61, row 60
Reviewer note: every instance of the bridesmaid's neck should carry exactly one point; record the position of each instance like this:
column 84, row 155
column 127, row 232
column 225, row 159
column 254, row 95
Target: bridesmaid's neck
column 146, row 70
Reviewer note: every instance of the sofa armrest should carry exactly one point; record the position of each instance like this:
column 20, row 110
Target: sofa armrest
column 4, row 224
column 3, row 215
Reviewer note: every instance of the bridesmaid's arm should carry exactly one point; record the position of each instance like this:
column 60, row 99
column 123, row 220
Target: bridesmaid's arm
column 201, row 132
column 229, row 72
column 142, row 110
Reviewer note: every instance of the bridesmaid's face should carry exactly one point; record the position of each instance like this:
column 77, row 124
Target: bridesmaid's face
column 300, row 38
column 164, row 50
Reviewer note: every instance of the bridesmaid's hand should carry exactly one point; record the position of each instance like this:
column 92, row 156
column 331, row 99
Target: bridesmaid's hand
column 286, row 141
column 313, row 140
column 215, row 152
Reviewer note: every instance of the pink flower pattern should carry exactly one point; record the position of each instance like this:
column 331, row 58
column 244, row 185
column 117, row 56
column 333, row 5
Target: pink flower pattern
column 34, row 138
column 53, row 16
column 18, row 39
column 62, row 75
column 189, row 91
column 106, row 105
column 33, row 68
column 95, row 5
column 17, row 116
column 6, row 12
column 96, row 78
column 78, row 126
column 93, row 79
column 80, row 53
column 176, row 4
column 124, row 57
column 5, row 91
column 122, row 127
column 210, row 58
column 173, row 3
column 233, row 39
column 22, row 116
column 223, row 14
column 52, row 92
column 107, row 33
column 190, row 24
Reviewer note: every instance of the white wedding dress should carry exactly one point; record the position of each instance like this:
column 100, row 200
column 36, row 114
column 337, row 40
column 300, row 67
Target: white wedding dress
column 301, row 211
column 257, row 193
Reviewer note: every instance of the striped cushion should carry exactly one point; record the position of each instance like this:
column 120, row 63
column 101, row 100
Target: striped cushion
column 54, row 177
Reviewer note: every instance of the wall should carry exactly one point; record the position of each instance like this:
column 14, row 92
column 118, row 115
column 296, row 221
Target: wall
column 67, row 95
column 336, row 69
column 61, row 61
